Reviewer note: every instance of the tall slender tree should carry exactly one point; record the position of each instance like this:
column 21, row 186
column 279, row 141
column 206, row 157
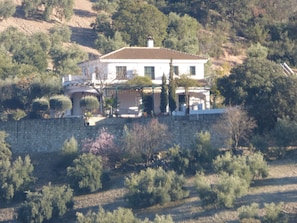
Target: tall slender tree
column 164, row 95
column 171, row 89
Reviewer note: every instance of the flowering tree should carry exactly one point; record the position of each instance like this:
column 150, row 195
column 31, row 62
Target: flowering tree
column 146, row 139
column 104, row 145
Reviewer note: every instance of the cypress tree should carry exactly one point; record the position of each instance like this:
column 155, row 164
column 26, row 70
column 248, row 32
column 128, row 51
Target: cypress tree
column 171, row 89
column 164, row 95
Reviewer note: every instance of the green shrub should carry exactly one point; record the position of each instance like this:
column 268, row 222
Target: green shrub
column 120, row 215
column 224, row 193
column 258, row 166
column 199, row 156
column 59, row 104
column 233, row 165
column 229, row 188
column 248, row 212
column 179, row 159
column 154, row 186
column 89, row 103
column 15, row 176
column 40, row 106
column 85, row 173
column 206, row 194
column 49, row 203
column 273, row 213
column 69, row 152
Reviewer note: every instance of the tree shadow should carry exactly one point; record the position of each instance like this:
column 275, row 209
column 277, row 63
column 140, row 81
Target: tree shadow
column 84, row 13
column 83, row 36
column 274, row 181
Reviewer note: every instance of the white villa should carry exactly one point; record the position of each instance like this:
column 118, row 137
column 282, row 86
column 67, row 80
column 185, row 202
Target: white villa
column 108, row 73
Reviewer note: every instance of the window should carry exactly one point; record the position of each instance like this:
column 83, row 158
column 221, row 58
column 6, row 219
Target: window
column 150, row 72
column 121, row 72
column 175, row 70
column 192, row 70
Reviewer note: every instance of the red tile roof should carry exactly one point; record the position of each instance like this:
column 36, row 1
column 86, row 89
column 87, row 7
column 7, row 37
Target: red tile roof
column 150, row 53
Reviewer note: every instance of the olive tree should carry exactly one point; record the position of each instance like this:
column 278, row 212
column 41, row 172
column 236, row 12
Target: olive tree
column 49, row 203
column 122, row 215
column 16, row 176
column 154, row 186
column 7, row 9
column 85, row 173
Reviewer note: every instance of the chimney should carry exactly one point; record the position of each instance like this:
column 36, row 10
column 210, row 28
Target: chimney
column 150, row 41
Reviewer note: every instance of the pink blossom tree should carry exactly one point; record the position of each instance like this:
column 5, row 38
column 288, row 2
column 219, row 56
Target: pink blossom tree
column 103, row 145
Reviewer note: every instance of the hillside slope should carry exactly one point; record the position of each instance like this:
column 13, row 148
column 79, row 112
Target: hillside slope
column 82, row 33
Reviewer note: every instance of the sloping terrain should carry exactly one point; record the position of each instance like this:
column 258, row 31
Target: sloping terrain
column 82, row 33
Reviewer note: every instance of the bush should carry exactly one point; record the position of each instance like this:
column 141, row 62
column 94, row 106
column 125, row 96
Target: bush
column 246, row 167
column 229, row 188
column 258, row 166
column 179, row 159
column 49, row 203
column 60, row 103
column 69, row 152
column 40, row 106
column 120, row 215
column 248, row 212
column 206, row 194
column 273, row 213
column 16, row 176
column 154, row 186
column 85, row 173
column 89, row 103
column 199, row 156
column 233, row 165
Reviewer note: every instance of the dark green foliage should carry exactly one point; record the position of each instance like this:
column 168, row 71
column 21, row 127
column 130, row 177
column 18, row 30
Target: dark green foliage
column 137, row 21
column 179, row 159
column 120, row 215
column 172, row 90
column 51, row 202
column 198, row 157
column 60, row 34
column 63, row 8
column 164, row 95
column 40, row 106
column 85, row 173
column 253, row 85
column 182, row 33
column 60, row 103
column 107, row 44
column 16, row 176
column 89, row 103
column 7, row 9
column 65, row 60
column 69, row 152
column 154, row 186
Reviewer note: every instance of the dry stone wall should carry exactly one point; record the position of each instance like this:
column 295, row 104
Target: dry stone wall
column 28, row 136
